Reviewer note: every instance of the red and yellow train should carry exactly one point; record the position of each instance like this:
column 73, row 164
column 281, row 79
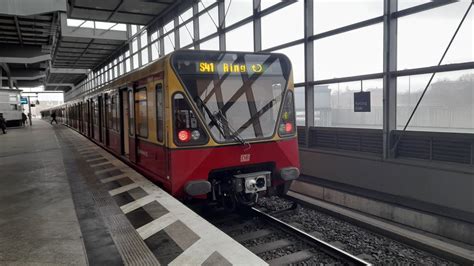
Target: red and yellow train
column 205, row 124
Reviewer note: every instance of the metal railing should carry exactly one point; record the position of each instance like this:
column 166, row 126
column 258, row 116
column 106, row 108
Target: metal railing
column 432, row 146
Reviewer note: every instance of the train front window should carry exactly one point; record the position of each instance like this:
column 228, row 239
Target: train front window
column 237, row 94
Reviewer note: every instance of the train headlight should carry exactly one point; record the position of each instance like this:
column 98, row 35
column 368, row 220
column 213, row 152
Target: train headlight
column 195, row 135
column 289, row 173
column 250, row 184
column 260, row 182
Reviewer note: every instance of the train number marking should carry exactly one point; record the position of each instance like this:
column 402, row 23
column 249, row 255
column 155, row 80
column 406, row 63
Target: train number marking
column 244, row 158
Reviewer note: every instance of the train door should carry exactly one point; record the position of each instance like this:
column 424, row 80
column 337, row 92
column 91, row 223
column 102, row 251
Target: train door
column 124, row 115
column 107, row 123
column 80, row 117
column 162, row 154
column 132, row 151
column 92, row 117
column 99, row 114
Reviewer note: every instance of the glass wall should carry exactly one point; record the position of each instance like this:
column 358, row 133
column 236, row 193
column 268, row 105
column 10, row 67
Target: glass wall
column 340, row 55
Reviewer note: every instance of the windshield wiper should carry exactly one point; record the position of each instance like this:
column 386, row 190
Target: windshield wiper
column 221, row 123
column 234, row 134
column 211, row 116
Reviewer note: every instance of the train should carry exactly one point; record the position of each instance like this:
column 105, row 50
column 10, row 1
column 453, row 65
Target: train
column 10, row 106
column 212, row 125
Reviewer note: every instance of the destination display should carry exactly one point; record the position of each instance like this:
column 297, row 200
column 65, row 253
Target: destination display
column 230, row 64
column 210, row 67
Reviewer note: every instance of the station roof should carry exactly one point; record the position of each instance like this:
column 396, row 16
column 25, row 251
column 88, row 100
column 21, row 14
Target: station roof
column 56, row 43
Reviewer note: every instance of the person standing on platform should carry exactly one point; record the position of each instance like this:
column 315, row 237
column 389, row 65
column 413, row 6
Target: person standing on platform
column 3, row 124
column 53, row 116
column 23, row 118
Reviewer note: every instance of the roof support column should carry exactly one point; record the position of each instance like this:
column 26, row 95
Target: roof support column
column 309, row 62
column 389, row 81
column 220, row 29
column 196, row 25
column 148, row 46
column 9, row 74
column 257, row 26
column 161, row 39
column 176, row 33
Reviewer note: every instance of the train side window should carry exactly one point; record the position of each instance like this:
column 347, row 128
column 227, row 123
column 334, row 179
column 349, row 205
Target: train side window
column 159, row 112
column 116, row 112
column 108, row 108
column 141, row 116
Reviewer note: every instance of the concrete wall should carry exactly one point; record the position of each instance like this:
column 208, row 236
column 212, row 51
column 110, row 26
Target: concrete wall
column 453, row 189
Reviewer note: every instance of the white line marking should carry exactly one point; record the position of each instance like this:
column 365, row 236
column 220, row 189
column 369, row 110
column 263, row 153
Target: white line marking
column 119, row 190
column 99, row 164
column 157, row 225
column 105, row 170
column 137, row 204
column 113, row 178
column 95, row 159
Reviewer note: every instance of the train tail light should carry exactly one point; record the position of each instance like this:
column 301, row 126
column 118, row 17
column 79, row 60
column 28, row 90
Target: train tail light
column 184, row 135
column 287, row 120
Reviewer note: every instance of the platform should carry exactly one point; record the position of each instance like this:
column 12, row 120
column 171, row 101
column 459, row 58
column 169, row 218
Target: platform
column 64, row 200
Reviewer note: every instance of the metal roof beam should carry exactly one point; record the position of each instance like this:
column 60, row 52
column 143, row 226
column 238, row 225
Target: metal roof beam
column 18, row 30
column 29, row 8
column 55, row 70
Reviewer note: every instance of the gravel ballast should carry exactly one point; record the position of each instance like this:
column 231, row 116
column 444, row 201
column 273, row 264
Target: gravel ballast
column 372, row 247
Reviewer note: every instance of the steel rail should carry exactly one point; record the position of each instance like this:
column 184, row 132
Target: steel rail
column 327, row 248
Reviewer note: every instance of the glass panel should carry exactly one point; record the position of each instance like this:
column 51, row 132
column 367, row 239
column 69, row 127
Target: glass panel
column 186, row 34
column 144, row 56
column 120, row 27
column 245, row 100
column 240, row 39
column 237, row 10
column 334, row 105
column 300, row 106
column 205, row 4
column 108, row 108
column 135, row 61
column 169, row 43
column 74, row 22
column 141, row 113
column 333, row 14
column 104, row 25
column 144, row 39
column 419, row 45
column 169, row 26
column 155, row 48
column 276, row 31
column 133, row 29
column 134, row 45
column 127, row 65
column 350, row 53
column 185, row 15
column 154, row 36
column 268, row 3
column 404, row 4
column 212, row 44
column 296, row 55
column 447, row 106
column 208, row 22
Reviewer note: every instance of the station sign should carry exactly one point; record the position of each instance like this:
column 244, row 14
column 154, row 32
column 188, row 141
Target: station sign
column 362, row 101
column 23, row 100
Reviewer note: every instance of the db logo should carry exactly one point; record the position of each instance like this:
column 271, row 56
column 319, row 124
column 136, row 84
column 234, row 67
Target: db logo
column 244, row 158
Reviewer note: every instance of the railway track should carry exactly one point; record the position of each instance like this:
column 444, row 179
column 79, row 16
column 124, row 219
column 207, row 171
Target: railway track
column 280, row 243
